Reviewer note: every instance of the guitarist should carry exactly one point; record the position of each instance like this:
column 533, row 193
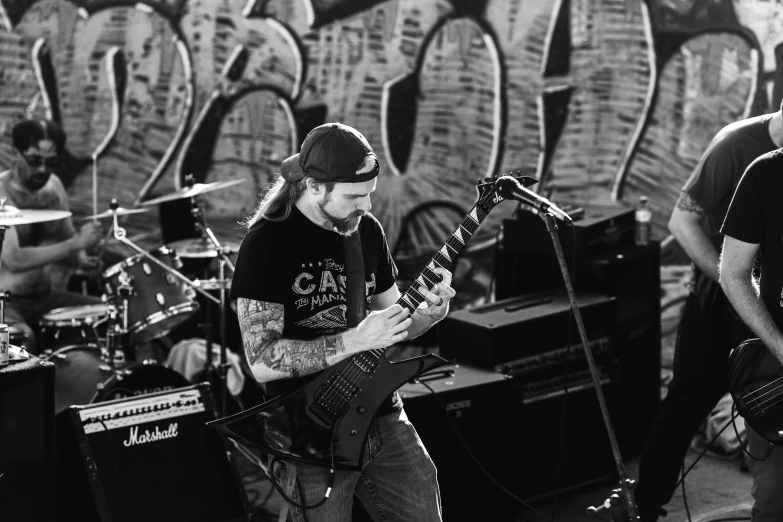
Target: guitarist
column 709, row 328
column 755, row 222
column 290, row 288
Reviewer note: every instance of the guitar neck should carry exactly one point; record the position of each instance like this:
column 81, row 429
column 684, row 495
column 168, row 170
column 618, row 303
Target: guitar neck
column 443, row 258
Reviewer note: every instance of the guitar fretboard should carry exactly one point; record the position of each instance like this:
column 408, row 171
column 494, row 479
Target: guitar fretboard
column 335, row 396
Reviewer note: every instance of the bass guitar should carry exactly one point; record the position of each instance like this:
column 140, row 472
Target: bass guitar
column 325, row 422
column 756, row 385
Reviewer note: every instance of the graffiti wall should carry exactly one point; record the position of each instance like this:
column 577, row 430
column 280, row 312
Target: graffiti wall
column 601, row 100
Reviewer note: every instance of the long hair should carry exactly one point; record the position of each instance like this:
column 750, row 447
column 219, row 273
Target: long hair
column 279, row 199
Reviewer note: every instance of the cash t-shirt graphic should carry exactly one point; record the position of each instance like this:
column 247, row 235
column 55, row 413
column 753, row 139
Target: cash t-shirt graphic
column 300, row 265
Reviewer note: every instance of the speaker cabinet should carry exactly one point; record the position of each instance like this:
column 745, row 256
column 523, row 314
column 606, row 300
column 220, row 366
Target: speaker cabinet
column 148, row 458
column 27, row 441
column 630, row 274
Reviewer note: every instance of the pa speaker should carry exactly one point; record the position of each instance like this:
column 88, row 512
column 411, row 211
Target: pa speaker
column 27, row 491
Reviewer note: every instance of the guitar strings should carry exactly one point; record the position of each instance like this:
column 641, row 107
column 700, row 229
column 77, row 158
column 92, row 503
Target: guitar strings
column 756, row 399
column 353, row 372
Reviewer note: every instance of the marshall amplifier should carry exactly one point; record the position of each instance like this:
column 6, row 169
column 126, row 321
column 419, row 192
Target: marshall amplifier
column 150, row 458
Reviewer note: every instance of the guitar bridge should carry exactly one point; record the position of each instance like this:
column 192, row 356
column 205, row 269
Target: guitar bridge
column 333, row 398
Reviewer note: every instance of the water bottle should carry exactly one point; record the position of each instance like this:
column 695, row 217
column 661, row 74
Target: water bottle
column 643, row 219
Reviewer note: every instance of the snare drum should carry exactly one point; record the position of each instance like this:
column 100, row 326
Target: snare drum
column 81, row 377
column 159, row 301
column 71, row 325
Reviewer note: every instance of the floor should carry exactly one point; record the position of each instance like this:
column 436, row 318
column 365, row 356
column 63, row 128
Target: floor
column 715, row 490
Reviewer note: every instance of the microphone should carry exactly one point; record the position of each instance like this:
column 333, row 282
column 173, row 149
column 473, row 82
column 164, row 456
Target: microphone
column 510, row 188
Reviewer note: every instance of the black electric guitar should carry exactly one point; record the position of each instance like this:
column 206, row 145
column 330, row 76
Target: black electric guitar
column 325, row 422
column 756, row 385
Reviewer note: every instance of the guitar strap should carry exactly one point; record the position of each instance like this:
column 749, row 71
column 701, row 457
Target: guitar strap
column 355, row 287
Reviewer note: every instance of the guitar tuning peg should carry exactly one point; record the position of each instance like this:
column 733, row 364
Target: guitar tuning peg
column 487, row 179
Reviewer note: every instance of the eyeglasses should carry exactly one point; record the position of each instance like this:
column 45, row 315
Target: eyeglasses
column 37, row 161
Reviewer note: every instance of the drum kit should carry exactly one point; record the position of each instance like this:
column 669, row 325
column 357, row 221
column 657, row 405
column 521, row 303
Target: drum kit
column 144, row 298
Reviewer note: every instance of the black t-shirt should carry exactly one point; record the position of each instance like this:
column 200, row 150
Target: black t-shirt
column 756, row 216
column 300, row 265
column 720, row 168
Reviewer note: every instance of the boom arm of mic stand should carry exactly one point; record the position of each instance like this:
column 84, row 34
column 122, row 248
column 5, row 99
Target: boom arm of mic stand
column 625, row 489
column 120, row 235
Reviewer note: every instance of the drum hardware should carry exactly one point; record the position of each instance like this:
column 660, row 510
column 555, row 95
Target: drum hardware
column 120, row 235
column 3, row 296
column 223, row 252
column 191, row 190
column 12, row 216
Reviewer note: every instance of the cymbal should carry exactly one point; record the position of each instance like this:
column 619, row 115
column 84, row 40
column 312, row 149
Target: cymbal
column 199, row 248
column 120, row 212
column 190, row 192
column 10, row 216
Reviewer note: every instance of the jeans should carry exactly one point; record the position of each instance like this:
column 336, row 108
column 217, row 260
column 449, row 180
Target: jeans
column 709, row 329
column 398, row 480
column 767, row 478
column 24, row 312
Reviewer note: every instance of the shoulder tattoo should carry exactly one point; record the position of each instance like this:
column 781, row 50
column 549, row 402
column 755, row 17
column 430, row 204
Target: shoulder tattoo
column 687, row 204
column 262, row 324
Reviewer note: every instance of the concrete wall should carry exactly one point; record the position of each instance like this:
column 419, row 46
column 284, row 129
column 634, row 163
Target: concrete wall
column 601, row 99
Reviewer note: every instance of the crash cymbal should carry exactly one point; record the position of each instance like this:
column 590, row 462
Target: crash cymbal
column 120, row 212
column 192, row 191
column 199, row 248
column 11, row 216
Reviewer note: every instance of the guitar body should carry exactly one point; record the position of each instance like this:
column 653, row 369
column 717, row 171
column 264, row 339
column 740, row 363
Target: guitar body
column 756, row 384
column 298, row 426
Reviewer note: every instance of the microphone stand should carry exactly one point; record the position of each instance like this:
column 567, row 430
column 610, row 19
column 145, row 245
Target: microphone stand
column 622, row 503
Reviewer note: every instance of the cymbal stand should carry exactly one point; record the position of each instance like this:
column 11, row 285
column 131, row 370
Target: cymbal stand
column 223, row 261
column 622, row 503
column 120, row 234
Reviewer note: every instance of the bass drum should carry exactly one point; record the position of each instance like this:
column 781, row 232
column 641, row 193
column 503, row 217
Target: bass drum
column 81, row 377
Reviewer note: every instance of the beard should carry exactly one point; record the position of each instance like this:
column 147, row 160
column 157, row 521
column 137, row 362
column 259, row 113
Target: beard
column 37, row 181
column 343, row 226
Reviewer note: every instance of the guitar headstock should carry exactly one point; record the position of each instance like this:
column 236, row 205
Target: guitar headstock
column 488, row 198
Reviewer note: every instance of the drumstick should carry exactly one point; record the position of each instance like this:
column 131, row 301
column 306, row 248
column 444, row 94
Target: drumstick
column 95, row 187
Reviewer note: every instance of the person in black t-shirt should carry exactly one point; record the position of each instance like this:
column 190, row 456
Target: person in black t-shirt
column 709, row 328
column 290, row 286
column 755, row 223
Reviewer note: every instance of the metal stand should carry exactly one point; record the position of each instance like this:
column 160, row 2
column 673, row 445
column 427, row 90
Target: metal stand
column 121, row 235
column 622, row 503
column 223, row 261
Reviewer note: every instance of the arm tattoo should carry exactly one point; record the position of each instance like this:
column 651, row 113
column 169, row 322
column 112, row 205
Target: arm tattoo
column 262, row 329
column 687, row 204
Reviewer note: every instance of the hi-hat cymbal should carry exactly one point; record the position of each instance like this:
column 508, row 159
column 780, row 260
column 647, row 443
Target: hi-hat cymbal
column 190, row 192
column 120, row 212
column 11, row 216
column 199, row 248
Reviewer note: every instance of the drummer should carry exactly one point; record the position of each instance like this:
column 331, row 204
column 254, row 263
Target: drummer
column 29, row 251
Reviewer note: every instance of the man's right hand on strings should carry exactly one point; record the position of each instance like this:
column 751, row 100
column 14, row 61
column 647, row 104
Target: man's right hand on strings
column 380, row 329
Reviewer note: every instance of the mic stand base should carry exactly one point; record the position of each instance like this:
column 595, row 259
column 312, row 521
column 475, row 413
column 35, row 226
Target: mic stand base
column 622, row 502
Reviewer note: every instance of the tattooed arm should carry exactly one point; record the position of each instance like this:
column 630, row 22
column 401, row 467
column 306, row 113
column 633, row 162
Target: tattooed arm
column 687, row 226
column 273, row 357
